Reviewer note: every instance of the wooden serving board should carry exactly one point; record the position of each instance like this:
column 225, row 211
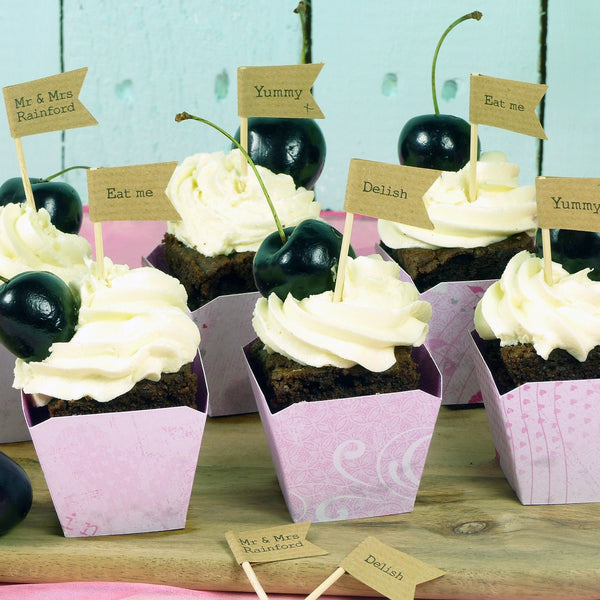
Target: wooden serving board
column 466, row 521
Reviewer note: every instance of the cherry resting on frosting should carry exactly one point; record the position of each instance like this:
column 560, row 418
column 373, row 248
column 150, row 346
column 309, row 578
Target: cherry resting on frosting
column 305, row 264
column 16, row 494
column 292, row 146
column 437, row 141
column 295, row 147
column 303, row 258
column 59, row 198
column 37, row 308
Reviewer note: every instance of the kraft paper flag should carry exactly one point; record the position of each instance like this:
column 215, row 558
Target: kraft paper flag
column 506, row 104
column 283, row 542
column 568, row 203
column 265, row 545
column 387, row 191
column 47, row 104
column 387, row 570
column 384, row 569
column 132, row 193
column 278, row 91
column 384, row 191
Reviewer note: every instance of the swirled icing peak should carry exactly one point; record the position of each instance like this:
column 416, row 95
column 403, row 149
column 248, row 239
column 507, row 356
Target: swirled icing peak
column 224, row 210
column 30, row 242
column 133, row 325
column 522, row 308
column 377, row 312
column 502, row 208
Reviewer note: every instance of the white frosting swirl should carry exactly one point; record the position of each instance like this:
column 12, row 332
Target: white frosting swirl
column 30, row 242
column 522, row 308
column 133, row 325
column 223, row 211
column 502, row 208
column 377, row 312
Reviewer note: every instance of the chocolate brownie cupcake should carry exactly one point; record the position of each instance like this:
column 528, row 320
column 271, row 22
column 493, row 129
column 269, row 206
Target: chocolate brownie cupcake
column 429, row 266
column 536, row 331
column 224, row 218
column 471, row 240
column 132, row 348
column 283, row 378
column 317, row 349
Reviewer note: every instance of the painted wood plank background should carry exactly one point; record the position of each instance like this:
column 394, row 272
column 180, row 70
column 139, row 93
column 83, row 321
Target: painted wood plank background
column 149, row 60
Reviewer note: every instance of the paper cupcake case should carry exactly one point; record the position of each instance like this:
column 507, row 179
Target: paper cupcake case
column 225, row 325
column 453, row 304
column 351, row 458
column 12, row 424
column 124, row 472
column 546, row 434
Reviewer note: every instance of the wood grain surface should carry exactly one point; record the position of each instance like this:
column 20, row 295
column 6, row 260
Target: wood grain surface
column 466, row 521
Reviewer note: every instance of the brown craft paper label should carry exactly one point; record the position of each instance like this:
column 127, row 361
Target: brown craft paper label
column 283, row 91
column 568, row 203
column 275, row 543
column 390, row 192
column 388, row 571
column 506, row 104
column 48, row 104
column 135, row 193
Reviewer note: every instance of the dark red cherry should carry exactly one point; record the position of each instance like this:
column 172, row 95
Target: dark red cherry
column 304, row 265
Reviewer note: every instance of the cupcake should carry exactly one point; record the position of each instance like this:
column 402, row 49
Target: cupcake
column 133, row 329
column 317, row 349
column 29, row 241
column 116, row 414
column 470, row 240
column 454, row 263
column 224, row 218
column 346, row 393
column 538, row 346
column 540, row 331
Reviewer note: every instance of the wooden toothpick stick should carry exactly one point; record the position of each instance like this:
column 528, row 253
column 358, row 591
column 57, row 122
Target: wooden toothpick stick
column 326, row 584
column 341, row 271
column 24, row 175
column 254, row 581
column 244, row 142
column 547, row 254
column 99, row 250
column 473, row 163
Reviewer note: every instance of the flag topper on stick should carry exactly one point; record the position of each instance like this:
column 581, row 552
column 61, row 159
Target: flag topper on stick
column 384, row 191
column 277, row 91
column 565, row 203
column 282, row 542
column 502, row 103
column 43, row 105
column 388, row 571
column 132, row 193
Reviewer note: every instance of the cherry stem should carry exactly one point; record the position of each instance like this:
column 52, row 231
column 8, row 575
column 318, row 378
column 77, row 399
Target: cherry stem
column 304, row 10
column 472, row 15
column 63, row 172
column 184, row 116
column 3, row 279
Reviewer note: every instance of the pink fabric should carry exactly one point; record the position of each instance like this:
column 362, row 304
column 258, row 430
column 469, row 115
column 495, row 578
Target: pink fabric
column 125, row 242
column 124, row 591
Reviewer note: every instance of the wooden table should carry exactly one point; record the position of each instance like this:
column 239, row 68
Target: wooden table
column 466, row 521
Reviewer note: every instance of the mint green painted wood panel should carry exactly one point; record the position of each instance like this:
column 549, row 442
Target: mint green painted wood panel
column 29, row 49
column 572, row 108
column 149, row 60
